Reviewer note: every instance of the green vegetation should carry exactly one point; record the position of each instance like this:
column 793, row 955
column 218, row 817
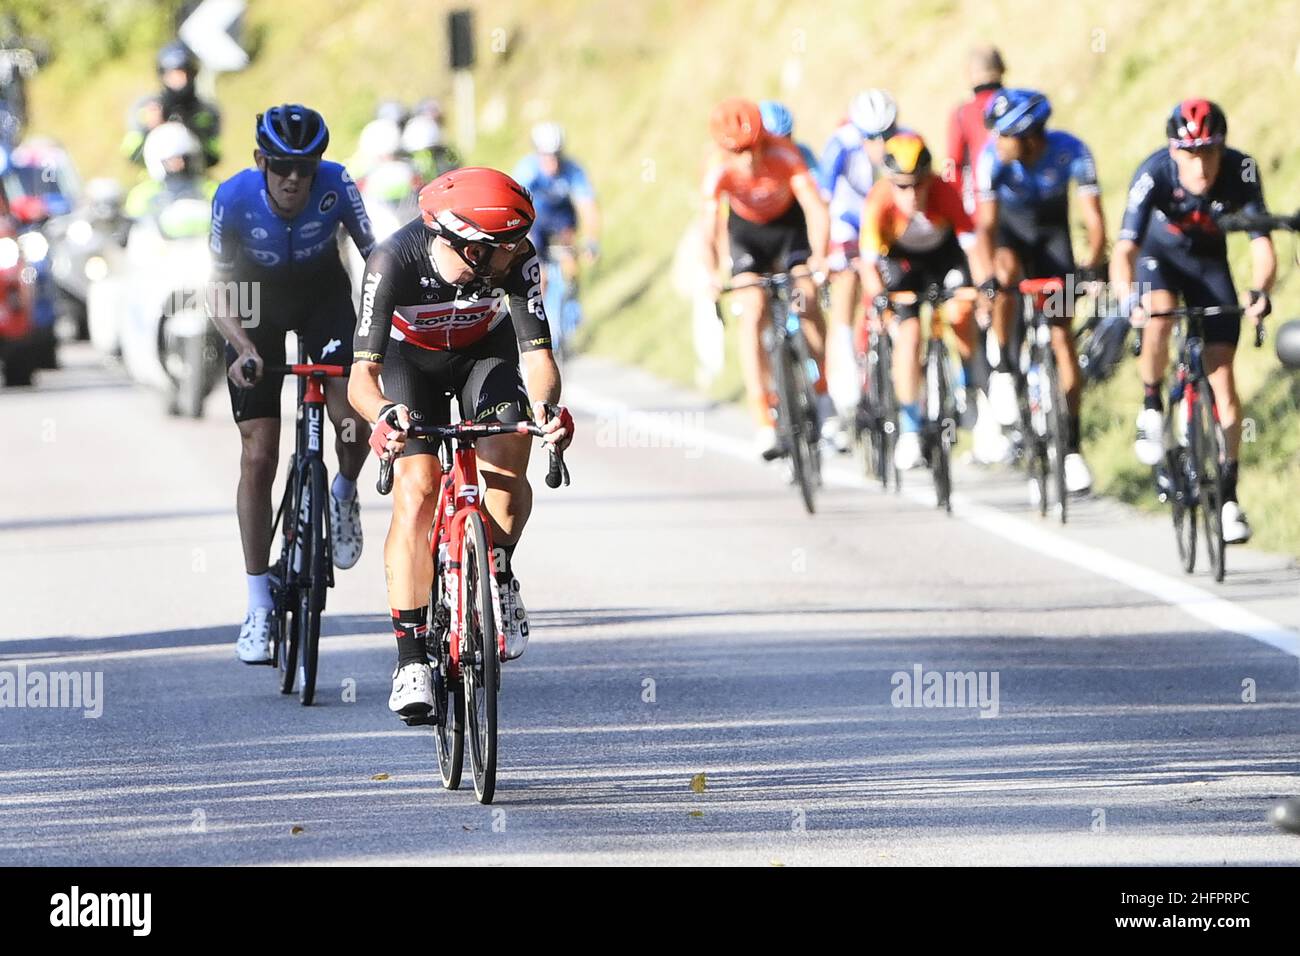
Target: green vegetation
column 634, row 82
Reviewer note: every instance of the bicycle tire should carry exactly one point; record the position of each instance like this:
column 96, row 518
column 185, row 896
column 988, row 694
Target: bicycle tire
column 448, row 694
column 789, row 425
column 285, row 593
column 481, row 661
column 941, row 420
column 1057, row 432
column 1210, row 453
column 311, row 602
column 1183, row 504
column 888, row 414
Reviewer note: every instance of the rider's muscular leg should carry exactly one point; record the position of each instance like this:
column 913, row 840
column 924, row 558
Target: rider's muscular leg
column 1067, row 367
column 1006, row 268
column 408, row 565
column 1218, row 366
column 1155, row 338
column 907, row 369
column 503, row 463
column 814, row 323
column 351, row 432
column 260, row 453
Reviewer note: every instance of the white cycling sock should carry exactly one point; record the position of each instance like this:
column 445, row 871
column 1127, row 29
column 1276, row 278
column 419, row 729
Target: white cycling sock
column 259, row 591
column 344, row 489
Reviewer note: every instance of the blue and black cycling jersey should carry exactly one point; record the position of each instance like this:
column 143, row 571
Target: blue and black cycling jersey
column 1164, row 218
column 553, row 196
column 1039, row 193
column 249, row 240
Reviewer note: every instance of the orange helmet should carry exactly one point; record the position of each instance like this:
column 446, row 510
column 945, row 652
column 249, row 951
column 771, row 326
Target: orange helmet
column 477, row 204
column 736, row 124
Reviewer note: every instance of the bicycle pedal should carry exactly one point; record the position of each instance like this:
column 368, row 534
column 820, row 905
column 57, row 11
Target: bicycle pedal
column 420, row 720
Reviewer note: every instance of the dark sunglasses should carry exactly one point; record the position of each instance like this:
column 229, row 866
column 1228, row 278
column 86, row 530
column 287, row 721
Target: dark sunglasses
column 286, row 167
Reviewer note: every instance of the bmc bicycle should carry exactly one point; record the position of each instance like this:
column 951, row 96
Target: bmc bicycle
column 467, row 641
column 304, row 571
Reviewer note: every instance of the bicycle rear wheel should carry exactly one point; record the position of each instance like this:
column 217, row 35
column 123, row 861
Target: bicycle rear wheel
column 448, row 695
column 285, row 591
column 316, row 568
column 1209, row 445
column 941, row 422
column 888, row 417
column 480, row 662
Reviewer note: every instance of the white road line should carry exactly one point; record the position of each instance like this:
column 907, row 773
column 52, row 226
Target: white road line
column 1197, row 602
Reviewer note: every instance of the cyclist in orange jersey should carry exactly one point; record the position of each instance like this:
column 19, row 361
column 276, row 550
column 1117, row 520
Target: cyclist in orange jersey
column 777, row 220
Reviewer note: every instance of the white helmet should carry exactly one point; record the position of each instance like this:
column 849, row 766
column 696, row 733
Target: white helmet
column 420, row 132
column 380, row 138
column 170, row 141
column 873, row 112
column 548, row 138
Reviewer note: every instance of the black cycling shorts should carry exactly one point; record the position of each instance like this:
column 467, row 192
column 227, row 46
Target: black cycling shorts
column 1043, row 249
column 320, row 310
column 484, row 378
column 917, row 271
column 776, row 246
column 1202, row 281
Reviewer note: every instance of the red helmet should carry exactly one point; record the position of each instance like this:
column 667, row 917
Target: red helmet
column 477, row 204
column 1196, row 123
column 736, row 124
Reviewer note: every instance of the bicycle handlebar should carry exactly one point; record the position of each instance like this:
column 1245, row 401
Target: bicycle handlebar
column 557, row 471
column 1199, row 312
column 1250, row 222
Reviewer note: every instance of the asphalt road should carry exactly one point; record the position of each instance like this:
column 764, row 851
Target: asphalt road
column 713, row 676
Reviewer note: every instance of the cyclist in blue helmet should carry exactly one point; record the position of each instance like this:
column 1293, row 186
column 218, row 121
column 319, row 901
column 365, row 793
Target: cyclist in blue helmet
column 779, row 121
column 1023, row 186
column 276, row 269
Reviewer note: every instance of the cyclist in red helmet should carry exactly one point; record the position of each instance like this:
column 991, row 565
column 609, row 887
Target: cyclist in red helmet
column 777, row 220
column 1170, row 244
column 452, row 303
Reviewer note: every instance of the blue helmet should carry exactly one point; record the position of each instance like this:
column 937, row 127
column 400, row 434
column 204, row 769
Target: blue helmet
column 291, row 130
column 777, row 120
column 1014, row 112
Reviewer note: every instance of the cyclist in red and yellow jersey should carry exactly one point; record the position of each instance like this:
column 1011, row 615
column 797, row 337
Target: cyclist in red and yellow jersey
column 915, row 233
column 777, row 220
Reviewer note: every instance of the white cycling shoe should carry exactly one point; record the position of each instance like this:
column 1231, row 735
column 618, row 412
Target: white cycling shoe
column 990, row 446
column 766, row 445
column 254, row 644
column 1078, row 476
column 1236, row 529
column 1002, row 398
column 412, row 694
column 345, row 531
column 1150, row 444
column 514, row 618
column 836, row 435
column 907, row 452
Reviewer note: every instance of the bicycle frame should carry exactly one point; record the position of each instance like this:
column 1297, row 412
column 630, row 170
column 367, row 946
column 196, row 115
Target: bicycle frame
column 457, row 498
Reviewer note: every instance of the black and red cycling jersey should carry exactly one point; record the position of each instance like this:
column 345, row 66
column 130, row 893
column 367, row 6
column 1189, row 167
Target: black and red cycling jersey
column 404, row 299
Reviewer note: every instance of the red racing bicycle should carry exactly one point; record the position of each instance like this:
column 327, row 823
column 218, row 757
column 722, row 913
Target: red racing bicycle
column 467, row 642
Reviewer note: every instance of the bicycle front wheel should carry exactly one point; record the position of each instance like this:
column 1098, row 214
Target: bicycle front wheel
column 792, row 417
column 1209, row 445
column 941, row 423
column 448, row 692
column 316, row 570
column 480, row 662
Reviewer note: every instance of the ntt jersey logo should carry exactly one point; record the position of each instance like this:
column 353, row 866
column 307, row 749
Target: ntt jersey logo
column 328, row 200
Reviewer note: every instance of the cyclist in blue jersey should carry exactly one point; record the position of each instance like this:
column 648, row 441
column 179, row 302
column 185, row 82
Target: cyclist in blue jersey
column 276, row 269
column 562, row 196
column 1170, row 243
column 779, row 121
column 846, row 172
column 1023, row 179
